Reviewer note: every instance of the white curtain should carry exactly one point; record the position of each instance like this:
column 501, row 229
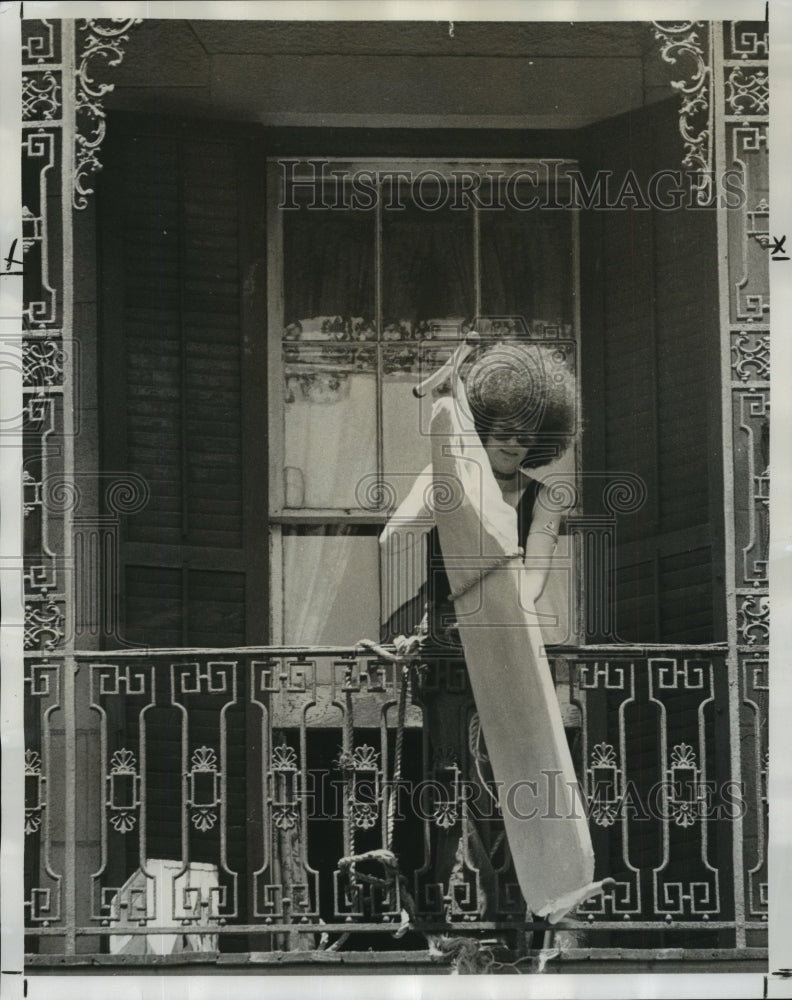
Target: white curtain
column 330, row 434
column 330, row 591
column 330, row 430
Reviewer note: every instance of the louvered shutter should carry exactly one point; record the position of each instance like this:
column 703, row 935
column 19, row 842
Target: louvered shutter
column 650, row 386
column 183, row 343
column 183, row 348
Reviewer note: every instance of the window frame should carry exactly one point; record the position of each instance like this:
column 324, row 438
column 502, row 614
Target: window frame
column 280, row 516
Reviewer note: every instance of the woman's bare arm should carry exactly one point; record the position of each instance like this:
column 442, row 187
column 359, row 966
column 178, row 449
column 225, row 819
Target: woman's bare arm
column 540, row 545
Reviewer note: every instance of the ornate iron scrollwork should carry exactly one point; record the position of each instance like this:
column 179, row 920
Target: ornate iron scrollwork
column 692, row 39
column 41, row 94
column 362, row 769
column 35, row 800
column 604, row 780
column 747, row 91
column 753, row 619
column 44, row 624
column 751, row 356
column 203, row 795
column 123, row 791
column 285, row 808
column 101, row 39
column 683, row 776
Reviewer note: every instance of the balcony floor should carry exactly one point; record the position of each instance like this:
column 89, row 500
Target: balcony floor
column 586, row 961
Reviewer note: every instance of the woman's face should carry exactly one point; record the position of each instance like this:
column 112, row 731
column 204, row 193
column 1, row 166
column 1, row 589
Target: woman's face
column 505, row 449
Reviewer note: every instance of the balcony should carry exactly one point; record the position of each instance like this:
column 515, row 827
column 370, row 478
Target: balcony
column 282, row 806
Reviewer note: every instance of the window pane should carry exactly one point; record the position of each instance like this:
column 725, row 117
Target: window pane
column 427, row 269
column 527, row 264
column 405, row 419
column 330, row 425
column 328, row 268
column 329, row 574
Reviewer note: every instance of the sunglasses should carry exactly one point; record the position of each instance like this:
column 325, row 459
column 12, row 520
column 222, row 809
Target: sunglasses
column 524, row 438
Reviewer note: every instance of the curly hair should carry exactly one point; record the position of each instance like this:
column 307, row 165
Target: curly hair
column 527, row 388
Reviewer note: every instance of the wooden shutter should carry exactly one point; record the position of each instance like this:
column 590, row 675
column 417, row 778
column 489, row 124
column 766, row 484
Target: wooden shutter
column 183, row 351
column 650, row 349
column 183, row 361
column 651, row 407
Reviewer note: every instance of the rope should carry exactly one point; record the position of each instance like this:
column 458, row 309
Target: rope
column 468, row 956
column 406, row 678
column 348, row 740
column 407, row 652
column 537, row 961
column 474, row 745
column 499, row 563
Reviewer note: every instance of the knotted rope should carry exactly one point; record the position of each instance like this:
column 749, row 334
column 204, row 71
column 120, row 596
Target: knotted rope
column 406, row 655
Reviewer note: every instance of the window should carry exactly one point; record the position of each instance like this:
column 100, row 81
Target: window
column 377, row 271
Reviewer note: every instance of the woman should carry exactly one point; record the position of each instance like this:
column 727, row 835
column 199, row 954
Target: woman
column 522, row 401
column 511, row 412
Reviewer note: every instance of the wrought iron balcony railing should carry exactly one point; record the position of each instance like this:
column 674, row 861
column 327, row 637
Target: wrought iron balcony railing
column 285, row 799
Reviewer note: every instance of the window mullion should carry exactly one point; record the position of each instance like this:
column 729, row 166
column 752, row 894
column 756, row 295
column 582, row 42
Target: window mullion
column 275, row 323
column 378, row 321
column 476, row 261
